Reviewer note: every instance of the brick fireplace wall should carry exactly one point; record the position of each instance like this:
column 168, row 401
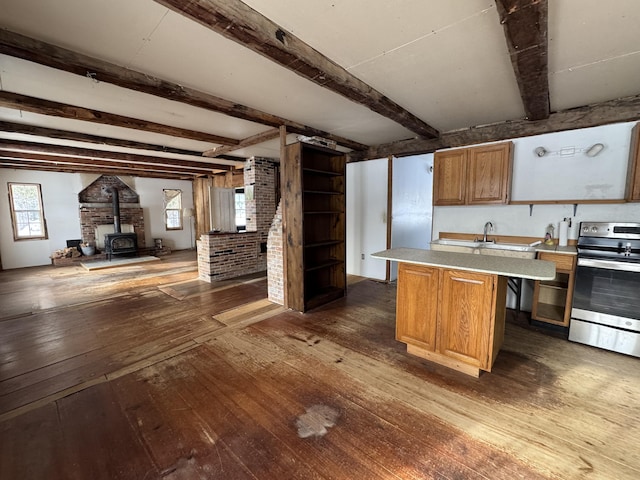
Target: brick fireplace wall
column 96, row 208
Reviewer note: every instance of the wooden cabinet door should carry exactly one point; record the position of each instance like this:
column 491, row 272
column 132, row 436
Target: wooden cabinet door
column 489, row 174
column 417, row 305
column 632, row 193
column 466, row 314
column 449, row 177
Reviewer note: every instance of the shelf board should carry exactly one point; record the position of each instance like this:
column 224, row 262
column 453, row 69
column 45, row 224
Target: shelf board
column 325, row 264
column 324, row 212
column 550, row 313
column 323, row 244
column 328, row 173
column 554, row 284
column 322, row 296
column 323, row 192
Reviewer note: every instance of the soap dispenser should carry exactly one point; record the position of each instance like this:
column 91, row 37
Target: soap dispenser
column 548, row 236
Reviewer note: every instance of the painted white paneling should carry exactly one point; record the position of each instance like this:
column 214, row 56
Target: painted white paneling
column 412, row 200
column 61, row 209
column 366, row 217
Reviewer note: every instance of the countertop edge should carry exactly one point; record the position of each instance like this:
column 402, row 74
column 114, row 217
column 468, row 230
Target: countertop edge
column 504, row 266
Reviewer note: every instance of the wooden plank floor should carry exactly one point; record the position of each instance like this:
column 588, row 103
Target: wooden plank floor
column 144, row 372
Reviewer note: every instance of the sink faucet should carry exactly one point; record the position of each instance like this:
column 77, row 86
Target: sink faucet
column 487, row 226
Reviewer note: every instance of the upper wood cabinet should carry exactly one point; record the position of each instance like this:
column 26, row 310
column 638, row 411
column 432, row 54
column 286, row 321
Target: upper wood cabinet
column 632, row 193
column 473, row 176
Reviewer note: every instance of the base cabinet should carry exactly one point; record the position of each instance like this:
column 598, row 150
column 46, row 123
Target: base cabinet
column 451, row 317
column 552, row 299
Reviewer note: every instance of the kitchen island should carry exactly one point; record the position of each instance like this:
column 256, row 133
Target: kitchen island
column 450, row 307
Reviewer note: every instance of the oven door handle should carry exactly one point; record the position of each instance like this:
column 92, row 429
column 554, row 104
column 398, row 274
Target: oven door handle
column 609, row 265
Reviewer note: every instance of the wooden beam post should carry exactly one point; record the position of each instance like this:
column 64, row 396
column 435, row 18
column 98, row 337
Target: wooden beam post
column 36, row 51
column 237, row 21
column 57, row 109
column 525, row 30
column 246, row 142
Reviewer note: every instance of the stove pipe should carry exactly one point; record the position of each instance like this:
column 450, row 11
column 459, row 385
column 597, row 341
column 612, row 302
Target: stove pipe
column 116, row 209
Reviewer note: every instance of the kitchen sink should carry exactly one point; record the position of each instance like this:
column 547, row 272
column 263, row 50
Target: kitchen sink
column 457, row 243
column 513, row 250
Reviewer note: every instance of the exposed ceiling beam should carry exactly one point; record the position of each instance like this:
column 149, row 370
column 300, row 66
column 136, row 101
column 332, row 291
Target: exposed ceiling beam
column 526, row 31
column 614, row 111
column 43, row 158
column 242, row 24
column 53, row 56
column 12, row 145
column 87, row 138
column 57, row 109
column 27, row 165
column 247, row 142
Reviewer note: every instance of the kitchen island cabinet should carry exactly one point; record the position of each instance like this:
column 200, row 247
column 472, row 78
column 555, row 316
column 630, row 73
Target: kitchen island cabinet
column 450, row 307
column 453, row 317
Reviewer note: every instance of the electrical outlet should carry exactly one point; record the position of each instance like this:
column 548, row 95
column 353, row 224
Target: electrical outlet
column 362, row 256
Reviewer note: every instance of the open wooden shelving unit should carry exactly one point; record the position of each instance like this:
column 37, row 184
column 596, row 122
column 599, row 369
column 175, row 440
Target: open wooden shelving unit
column 314, row 225
column 552, row 298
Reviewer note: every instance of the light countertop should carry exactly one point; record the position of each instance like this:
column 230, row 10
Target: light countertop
column 568, row 250
column 505, row 266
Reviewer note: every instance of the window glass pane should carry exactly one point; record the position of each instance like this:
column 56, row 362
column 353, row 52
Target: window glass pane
column 26, row 211
column 241, row 212
column 173, row 219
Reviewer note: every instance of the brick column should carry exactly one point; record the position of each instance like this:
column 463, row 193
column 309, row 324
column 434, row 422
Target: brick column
column 275, row 260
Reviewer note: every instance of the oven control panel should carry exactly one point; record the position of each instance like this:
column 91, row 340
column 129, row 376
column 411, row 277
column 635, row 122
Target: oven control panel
column 610, row 230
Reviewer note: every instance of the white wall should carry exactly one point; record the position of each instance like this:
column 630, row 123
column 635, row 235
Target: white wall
column 61, row 209
column 412, row 198
column 366, row 217
column 60, row 201
column 149, row 191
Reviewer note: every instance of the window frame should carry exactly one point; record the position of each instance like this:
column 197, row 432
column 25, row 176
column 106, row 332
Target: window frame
column 14, row 220
column 166, row 210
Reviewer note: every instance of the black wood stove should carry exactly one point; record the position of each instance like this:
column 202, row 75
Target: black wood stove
column 119, row 243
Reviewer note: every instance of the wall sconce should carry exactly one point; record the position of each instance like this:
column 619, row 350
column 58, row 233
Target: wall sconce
column 541, row 151
column 594, row 150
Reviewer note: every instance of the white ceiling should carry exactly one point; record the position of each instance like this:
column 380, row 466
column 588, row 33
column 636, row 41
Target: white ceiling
column 445, row 61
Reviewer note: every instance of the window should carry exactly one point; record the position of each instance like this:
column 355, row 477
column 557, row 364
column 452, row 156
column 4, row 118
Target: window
column 173, row 209
column 27, row 214
column 241, row 212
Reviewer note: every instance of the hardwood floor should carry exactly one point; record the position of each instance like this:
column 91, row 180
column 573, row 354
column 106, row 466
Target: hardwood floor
column 144, row 372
